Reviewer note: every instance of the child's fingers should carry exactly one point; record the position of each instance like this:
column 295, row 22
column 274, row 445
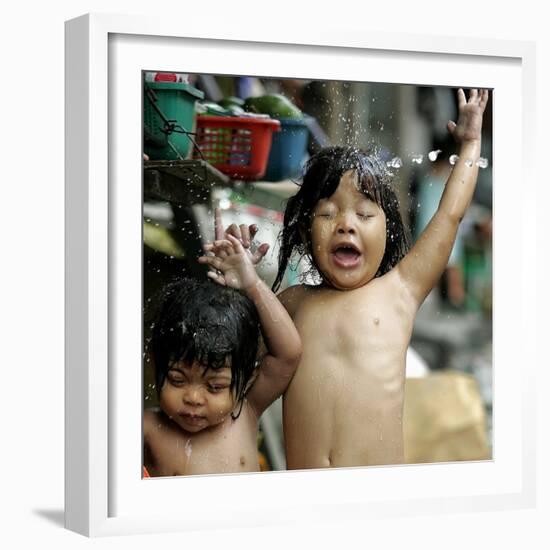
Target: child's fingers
column 451, row 126
column 218, row 226
column 260, row 253
column 219, row 248
column 253, row 230
column 223, row 250
column 461, row 98
column 216, row 277
column 222, row 243
column 245, row 235
column 237, row 246
column 211, row 261
column 473, row 95
column 234, row 230
column 484, row 99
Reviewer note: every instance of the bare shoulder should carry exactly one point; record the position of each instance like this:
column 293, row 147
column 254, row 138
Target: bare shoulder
column 292, row 297
column 151, row 419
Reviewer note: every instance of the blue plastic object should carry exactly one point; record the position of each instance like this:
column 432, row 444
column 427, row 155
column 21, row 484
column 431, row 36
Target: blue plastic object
column 288, row 150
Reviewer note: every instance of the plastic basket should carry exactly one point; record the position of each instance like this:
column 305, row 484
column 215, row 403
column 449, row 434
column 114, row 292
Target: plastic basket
column 237, row 146
column 176, row 102
column 288, row 150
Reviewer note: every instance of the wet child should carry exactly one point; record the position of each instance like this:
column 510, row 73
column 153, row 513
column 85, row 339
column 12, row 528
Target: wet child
column 212, row 388
column 344, row 405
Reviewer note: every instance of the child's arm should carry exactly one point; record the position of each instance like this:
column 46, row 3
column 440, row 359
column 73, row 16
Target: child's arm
column 422, row 267
column 236, row 269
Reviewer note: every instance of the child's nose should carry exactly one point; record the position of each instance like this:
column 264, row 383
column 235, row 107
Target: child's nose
column 345, row 224
column 193, row 396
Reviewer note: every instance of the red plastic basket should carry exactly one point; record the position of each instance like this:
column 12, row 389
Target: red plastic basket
column 236, row 146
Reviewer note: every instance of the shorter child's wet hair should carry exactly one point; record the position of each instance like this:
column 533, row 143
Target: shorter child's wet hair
column 201, row 321
column 322, row 176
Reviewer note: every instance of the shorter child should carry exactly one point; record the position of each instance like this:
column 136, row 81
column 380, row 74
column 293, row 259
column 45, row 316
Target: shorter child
column 204, row 347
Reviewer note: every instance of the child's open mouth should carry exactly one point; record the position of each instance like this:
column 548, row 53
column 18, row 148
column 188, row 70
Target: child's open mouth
column 346, row 255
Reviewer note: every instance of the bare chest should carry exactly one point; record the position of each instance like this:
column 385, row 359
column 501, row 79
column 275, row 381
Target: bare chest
column 170, row 452
column 357, row 325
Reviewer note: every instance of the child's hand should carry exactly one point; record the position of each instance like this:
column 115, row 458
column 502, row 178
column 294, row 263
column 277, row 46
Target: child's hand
column 232, row 262
column 470, row 116
column 244, row 233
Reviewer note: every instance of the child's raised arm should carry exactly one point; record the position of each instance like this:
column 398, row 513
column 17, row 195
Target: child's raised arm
column 422, row 267
column 235, row 268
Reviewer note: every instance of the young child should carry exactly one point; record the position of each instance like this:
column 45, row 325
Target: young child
column 204, row 347
column 344, row 405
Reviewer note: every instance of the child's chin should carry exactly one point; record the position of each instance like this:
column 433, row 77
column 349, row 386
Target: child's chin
column 192, row 427
column 347, row 283
column 195, row 428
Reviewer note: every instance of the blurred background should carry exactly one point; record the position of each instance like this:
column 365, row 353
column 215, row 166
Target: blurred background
column 240, row 142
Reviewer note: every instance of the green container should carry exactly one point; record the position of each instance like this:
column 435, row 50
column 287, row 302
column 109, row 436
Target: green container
column 176, row 101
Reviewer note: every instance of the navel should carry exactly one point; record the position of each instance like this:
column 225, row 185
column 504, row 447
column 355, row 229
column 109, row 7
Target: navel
column 243, row 461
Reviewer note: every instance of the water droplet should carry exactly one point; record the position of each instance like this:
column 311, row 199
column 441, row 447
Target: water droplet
column 417, row 159
column 187, row 449
column 395, row 162
column 469, row 163
column 453, row 159
column 432, row 155
column 376, row 321
column 482, row 162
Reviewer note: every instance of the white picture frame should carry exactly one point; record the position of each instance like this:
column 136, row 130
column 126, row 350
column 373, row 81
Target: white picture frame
column 105, row 494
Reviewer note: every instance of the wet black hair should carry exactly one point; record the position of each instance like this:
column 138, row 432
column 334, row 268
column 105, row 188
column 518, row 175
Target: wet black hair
column 321, row 178
column 199, row 320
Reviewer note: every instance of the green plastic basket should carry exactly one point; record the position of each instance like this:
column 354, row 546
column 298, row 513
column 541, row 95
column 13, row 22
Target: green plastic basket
column 168, row 117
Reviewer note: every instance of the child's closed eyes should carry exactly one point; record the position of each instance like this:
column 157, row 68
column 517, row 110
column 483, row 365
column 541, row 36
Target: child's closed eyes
column 215, row 385
column 333, row 214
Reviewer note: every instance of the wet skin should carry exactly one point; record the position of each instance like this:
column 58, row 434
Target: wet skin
column 344, row 405
column 201, row 427
column 193, row 432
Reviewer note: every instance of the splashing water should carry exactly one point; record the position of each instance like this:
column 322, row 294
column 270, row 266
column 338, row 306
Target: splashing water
column 469, row 163
column 187, row 449
column 453, row 159
column 395, row 162
column 482, row 162
column 417, row 159
column 432, row 155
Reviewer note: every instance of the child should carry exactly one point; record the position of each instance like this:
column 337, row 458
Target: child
column 204, row 348
column 344, row 405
